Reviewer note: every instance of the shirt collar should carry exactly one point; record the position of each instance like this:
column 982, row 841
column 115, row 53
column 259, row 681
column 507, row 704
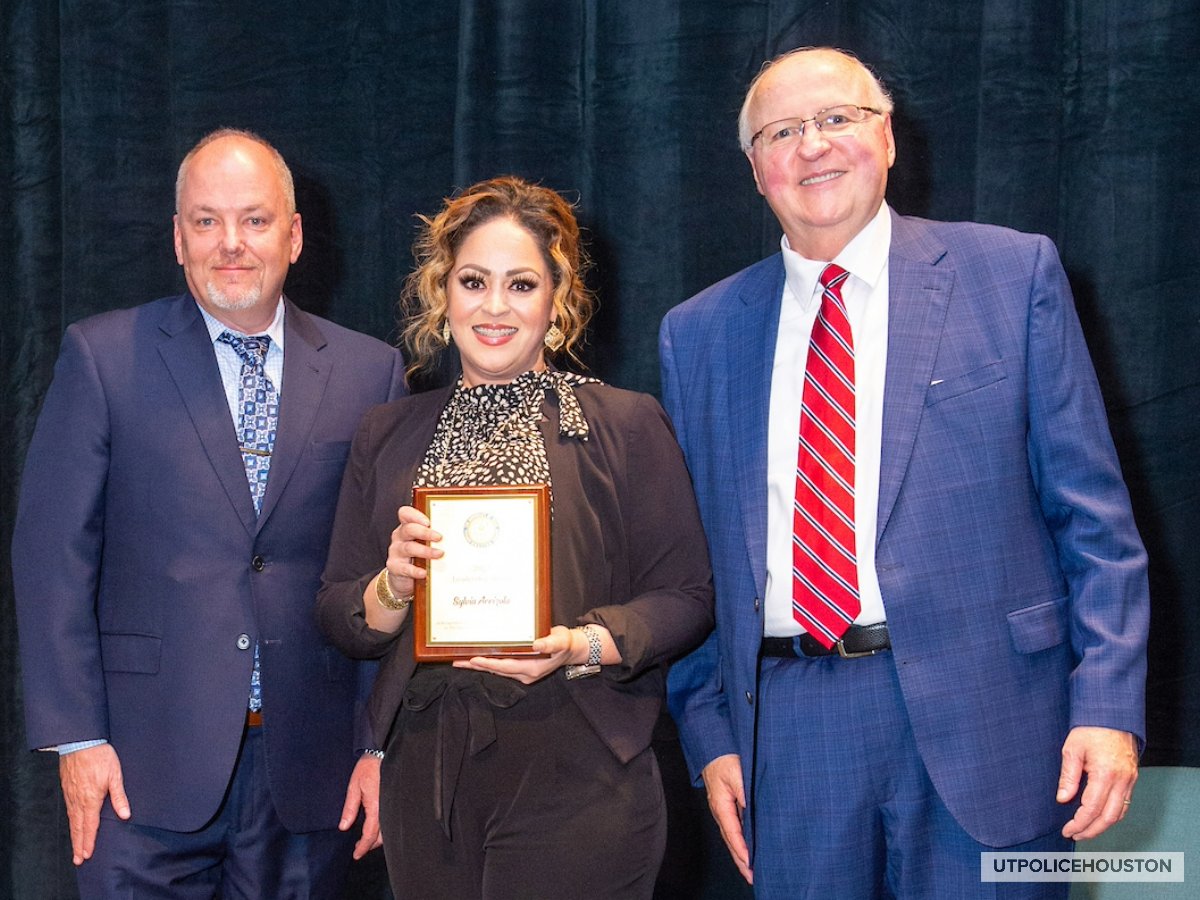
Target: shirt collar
column 864, row 257
column 216, row 327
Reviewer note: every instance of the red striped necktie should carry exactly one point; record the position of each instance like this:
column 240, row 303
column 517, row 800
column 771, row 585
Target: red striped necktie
column 824, row 569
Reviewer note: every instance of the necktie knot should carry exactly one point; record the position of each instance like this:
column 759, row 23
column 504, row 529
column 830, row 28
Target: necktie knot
column 832, row 277
column 251, row 349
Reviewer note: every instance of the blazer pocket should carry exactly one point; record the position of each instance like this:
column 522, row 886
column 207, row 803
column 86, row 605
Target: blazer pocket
column 964, row 384
column 1039, row 627
column 331, row 451
column 139, row 653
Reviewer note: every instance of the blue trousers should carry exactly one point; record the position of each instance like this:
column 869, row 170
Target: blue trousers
column 843, row 805
column 245, row 853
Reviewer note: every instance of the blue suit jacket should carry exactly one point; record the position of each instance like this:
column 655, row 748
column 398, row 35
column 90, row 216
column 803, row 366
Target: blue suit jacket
column 1012, row 573
column 143, row 578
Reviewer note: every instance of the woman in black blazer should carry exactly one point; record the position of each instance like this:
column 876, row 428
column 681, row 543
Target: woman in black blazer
column 519, row 777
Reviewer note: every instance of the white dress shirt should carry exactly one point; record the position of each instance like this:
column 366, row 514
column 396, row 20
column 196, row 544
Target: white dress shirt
column 865, row 293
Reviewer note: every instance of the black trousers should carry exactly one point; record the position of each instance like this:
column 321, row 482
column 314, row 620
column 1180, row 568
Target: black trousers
column 494, row 790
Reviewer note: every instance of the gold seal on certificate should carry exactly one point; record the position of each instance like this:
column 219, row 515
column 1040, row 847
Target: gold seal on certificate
column 489, row 594
column 481, row 529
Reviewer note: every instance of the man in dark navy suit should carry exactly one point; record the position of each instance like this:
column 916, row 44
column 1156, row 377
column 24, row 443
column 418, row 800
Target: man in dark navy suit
column 175, row 510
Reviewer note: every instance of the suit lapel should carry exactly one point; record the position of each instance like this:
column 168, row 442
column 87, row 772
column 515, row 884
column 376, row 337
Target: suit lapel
column 187, row 352
column 305, row 374
column 919, row 289
column 754, row 326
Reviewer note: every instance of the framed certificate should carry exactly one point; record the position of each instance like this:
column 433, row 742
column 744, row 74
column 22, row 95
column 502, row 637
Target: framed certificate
column 489, row 595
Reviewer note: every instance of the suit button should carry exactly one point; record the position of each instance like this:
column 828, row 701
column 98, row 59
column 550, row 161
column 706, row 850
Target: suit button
column 258, row 563
column 757, row 604
column 749, row 698
column 243, row 642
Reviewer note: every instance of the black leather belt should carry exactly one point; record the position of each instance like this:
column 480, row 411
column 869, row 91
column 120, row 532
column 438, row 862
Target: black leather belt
column 859, row 640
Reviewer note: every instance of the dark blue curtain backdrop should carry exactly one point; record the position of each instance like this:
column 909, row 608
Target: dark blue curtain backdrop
column 1074, row 118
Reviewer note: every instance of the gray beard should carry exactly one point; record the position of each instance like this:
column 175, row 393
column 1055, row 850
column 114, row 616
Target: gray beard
column 223, row 301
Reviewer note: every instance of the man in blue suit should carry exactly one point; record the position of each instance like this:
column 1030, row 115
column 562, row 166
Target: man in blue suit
column 173, row 523
column 931, row 596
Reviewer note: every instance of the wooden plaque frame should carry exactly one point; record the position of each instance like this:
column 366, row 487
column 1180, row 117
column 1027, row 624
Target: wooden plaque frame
column 477, row 525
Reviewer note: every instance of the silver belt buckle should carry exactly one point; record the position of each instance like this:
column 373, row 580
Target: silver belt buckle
column 846, row 654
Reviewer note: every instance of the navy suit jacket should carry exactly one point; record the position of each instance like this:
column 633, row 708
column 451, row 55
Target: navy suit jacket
column 143, row 577
column 1013, row 577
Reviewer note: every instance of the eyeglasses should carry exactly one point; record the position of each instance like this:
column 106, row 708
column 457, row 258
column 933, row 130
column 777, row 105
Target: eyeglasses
column 830, row 122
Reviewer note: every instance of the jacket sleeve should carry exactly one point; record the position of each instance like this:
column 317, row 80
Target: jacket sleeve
column 694, row 684
column 357, row 552
column 670, row 610
column 58, row 539
column 1087, row 510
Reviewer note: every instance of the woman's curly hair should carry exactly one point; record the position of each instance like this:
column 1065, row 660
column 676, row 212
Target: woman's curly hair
column 543, row 213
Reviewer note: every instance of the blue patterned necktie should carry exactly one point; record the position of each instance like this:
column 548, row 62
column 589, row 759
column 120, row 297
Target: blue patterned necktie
column 258, row 406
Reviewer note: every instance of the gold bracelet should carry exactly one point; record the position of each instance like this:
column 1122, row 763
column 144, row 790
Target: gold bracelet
column 387, row 599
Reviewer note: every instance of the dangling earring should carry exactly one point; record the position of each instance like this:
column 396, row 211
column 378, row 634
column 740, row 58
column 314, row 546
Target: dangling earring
column 446, row 332
column 554, row 338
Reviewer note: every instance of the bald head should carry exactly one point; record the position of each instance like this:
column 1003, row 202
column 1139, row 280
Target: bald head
column 286, row 184
column 854, row 69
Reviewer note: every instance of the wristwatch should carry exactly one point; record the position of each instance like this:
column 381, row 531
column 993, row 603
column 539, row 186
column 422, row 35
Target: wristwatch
column 592, row 666
column 388, row 600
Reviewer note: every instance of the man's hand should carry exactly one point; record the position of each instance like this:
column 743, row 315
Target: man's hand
column 1109, row 759
column 363, row 793
column 88, row 777
column 727, row 801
